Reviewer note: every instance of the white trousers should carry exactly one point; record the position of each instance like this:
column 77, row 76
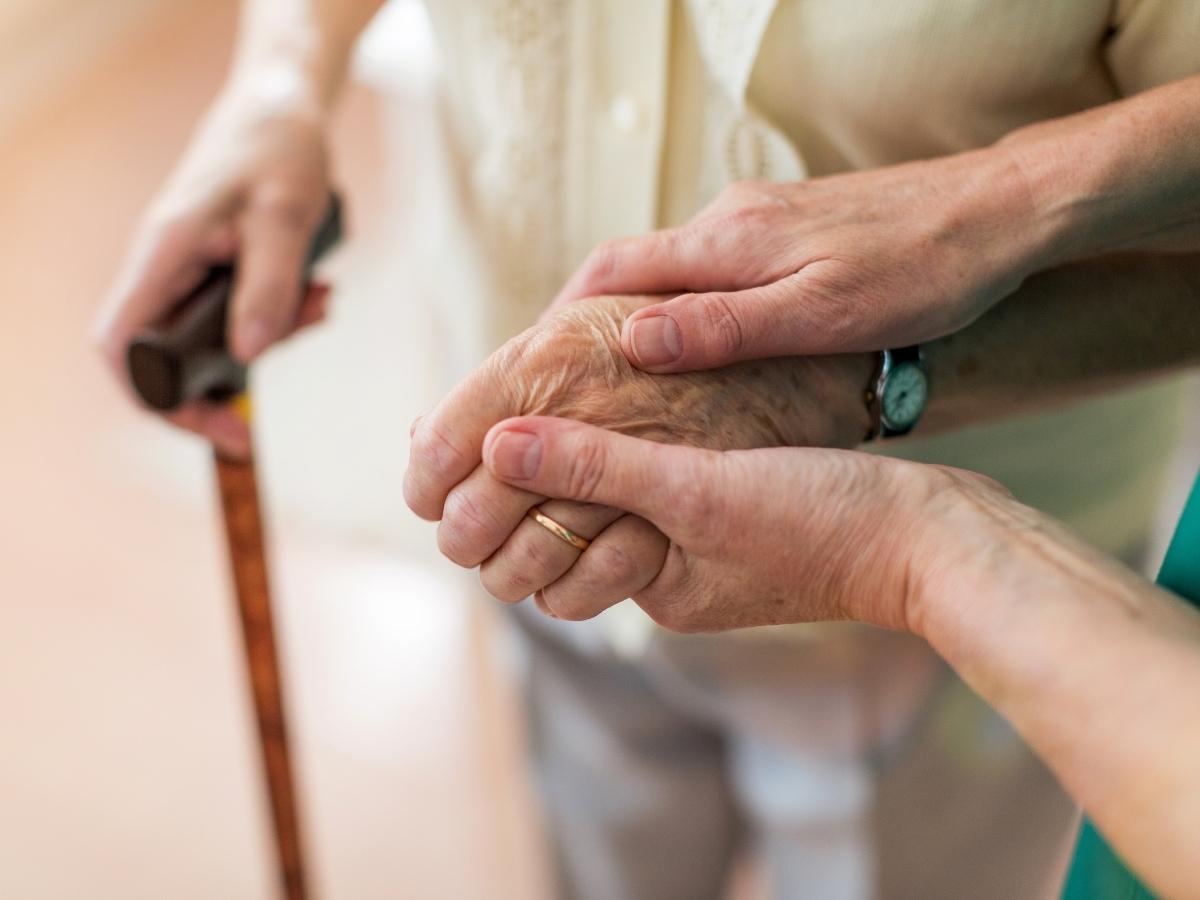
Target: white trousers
column 854, row 765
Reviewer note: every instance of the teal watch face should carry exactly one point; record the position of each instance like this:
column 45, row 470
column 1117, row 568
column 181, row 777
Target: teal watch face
column 904, row 396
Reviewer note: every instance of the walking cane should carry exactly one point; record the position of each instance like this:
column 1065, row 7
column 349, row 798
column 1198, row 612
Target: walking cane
column 186, row 358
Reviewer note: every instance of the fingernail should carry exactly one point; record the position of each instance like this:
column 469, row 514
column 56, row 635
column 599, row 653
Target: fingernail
column 251, row 339
column 256, row 335
column 655, row 340
column 516, row 454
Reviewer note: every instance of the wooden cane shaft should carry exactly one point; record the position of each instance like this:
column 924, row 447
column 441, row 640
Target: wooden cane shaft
column 244, row 535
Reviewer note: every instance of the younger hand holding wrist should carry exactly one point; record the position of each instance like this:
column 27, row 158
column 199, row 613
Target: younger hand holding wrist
column 854, row 262
column 759, row 537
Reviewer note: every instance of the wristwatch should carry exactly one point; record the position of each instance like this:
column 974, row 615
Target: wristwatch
column 898, row 394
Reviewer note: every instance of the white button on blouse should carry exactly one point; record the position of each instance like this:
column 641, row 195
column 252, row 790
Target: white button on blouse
column 625, row 114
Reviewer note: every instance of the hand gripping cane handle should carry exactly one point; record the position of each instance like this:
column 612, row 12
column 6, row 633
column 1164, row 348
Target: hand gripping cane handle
column 186, row 357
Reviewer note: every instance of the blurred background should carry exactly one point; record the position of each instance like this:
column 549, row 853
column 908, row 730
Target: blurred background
column 128, row 765
column 128, row 762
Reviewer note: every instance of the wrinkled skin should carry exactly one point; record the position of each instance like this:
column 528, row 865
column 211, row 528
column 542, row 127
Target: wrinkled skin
column 762, row 404
column 571, row 365
column 762, row 537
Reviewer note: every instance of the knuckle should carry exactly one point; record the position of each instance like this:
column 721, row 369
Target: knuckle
column 577, row 600
column 501, row 587
column 743, row 198
column 567, row 604
column 578, row 609
column 525, row 566
column 610, row 569
column 721, row 325
column 744, row 218
column 535, row 555
column 283, row 207
column 585, row 471
column 420, row 497
column 612, row 565
column 664, row 248
column 612, row 264
column 601, row 265
column 435, row 452
column 463, row 530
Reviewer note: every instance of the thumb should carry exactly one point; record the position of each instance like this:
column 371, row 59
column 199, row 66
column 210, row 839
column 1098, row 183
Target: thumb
column 569, row 460
column 706, row 331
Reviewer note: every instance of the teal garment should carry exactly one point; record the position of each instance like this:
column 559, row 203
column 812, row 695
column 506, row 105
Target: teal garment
column 1096, row 871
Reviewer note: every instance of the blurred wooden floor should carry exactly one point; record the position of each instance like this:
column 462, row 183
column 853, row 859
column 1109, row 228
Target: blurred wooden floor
column 127, row 766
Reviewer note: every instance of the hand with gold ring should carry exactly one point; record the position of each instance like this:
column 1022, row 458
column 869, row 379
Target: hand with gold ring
column 571, row 365
column 589, row 575
column 759, row 537
column 623, row 551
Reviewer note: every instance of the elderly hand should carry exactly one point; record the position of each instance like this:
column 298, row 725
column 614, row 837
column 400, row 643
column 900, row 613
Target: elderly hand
column 761, row 537
column 855, row 262
column 251, row 189
column 571, row 365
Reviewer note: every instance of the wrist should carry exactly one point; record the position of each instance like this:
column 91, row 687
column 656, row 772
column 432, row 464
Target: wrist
column 1010, row 204
column 838, row 385
column 1093, row 191
column 914, row 546
column 966, row 524
column 276, row 86
column 298, row 66
column 997, row 584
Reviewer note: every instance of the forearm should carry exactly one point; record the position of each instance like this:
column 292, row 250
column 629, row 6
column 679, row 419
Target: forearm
column 1121, row 177
column 1067, row 334
column 1095, row 667
column 297, row 50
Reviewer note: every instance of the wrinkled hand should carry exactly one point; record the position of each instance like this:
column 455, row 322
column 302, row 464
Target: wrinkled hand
column 855, row 262
column 251, row 189
column 759, row 537
column 571, row 365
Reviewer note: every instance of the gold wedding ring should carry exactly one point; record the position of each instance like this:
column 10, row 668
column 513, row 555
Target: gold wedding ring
column 558, row 529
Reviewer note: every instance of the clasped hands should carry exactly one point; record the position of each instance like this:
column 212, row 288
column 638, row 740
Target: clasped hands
column 701, row 540
column 571, row 366
column 706, row 540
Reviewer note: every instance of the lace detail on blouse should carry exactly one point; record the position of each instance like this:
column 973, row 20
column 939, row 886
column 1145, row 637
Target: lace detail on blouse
column 518, row 178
